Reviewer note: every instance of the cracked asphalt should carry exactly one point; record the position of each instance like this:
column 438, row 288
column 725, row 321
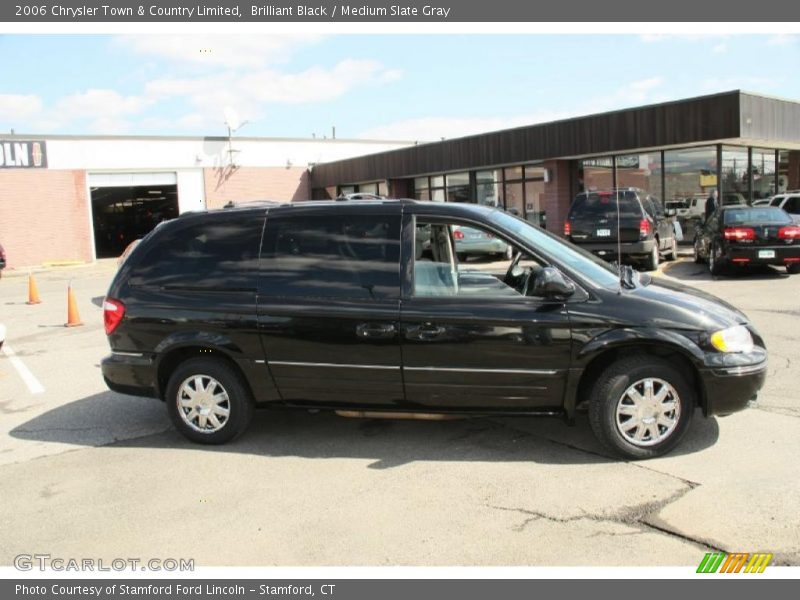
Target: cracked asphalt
column 91, row 473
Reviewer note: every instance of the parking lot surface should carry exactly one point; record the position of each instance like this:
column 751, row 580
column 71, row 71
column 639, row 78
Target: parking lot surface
column 89, row 472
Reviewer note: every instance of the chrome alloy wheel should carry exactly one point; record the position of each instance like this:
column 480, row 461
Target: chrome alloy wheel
column 203, row 403
column 648, row 412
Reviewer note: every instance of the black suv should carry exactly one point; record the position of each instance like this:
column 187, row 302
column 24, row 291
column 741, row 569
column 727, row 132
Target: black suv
column 363, row 307
column 646, row 230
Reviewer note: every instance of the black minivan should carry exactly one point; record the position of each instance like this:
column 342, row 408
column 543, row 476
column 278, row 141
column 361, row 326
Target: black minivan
column 362, row 307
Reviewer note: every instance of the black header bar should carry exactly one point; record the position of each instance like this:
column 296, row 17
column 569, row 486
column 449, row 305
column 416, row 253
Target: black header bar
column 408, row 11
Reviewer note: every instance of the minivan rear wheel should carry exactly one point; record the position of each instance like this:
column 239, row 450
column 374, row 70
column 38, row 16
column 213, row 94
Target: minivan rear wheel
column 207, row 401
column 641, row 407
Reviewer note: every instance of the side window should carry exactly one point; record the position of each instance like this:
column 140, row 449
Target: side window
column 792, row 205
column 657, row 207
column 324, row 256
column 219, row 253
column 453, row 259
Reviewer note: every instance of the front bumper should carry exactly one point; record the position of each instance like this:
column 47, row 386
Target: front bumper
column 131, row 373
column 731, row 381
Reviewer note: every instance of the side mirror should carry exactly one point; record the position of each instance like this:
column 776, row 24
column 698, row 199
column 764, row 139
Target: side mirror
column 550, row 283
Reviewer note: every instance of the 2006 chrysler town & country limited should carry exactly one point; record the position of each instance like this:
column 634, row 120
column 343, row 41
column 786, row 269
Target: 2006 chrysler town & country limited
column 363, row 306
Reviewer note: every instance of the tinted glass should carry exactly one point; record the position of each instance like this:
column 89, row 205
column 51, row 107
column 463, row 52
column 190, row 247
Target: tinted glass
column 792, row 205
column 595, row 269
column 218, row 252
column 344, row 256
column 604, row 204
column 760, row 216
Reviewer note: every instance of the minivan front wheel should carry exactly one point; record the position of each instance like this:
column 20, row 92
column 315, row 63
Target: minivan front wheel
column 641, row 406
column 207, row 401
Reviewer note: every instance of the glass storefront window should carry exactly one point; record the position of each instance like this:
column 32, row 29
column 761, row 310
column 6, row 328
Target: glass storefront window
column 690, row 175
column 595, row 174
column 641, row 171
column 734, row 176
column 515, row 202
column 762, row 172
column 534, row 172
column 437, row 181
column 512, row 173
column 437, row 195
column 458, row 187
column 383, row 188
column 783, row 171
column 347, row 189
column 488, row 188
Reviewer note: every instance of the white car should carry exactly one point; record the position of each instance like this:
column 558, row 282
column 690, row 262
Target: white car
column 790, row 202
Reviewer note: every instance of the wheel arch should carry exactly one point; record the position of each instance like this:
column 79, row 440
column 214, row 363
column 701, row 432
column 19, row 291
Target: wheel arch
column 176, row 355
column 600, row 358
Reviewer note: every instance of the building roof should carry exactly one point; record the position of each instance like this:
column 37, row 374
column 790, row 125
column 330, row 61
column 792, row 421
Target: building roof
column 734, row 117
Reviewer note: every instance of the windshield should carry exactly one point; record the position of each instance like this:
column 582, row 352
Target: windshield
column 604, row 204
column 598, row 271
column 760, row 216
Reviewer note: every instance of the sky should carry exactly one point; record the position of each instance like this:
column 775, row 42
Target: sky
column 393, row 87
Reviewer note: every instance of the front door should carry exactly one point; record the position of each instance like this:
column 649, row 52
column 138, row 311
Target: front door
column 328, row 305
column 470, row 339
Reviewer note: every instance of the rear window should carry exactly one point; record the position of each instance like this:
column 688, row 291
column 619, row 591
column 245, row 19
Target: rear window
column 604, row 204
column 757, row 216
column 325, row 256
column 219, row 252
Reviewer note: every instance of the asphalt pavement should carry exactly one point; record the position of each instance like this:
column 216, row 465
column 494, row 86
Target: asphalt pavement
column 91, row 473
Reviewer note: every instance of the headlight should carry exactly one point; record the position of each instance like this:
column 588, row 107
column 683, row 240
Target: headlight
column 732, row 339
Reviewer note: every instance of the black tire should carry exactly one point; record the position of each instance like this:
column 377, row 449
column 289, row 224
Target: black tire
column 651, row 264
column 793, row 269
column 239, row 399
column 697, row 258
column 672, row 253
column 715, row 265
column 610, row 391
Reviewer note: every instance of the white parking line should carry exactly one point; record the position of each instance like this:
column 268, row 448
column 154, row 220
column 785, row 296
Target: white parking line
column 30, row 380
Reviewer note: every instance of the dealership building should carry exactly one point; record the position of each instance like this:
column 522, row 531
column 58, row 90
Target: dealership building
column 66, row 198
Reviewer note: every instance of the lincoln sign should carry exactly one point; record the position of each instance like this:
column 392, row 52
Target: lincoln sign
column 23, row 154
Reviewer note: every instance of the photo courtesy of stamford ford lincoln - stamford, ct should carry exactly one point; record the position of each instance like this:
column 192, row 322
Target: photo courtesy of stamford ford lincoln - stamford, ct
column 289, row 299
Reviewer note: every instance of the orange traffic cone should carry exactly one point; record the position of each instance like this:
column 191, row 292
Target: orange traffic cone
column 73, row 318
column 33, row 291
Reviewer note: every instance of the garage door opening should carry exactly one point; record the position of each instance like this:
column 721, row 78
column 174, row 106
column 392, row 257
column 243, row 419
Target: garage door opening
column 124, row 214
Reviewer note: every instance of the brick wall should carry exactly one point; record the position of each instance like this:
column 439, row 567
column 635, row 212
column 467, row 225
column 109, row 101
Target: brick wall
column 255, row 183
column 44, row 216
column 557, row 194
column 794, row 170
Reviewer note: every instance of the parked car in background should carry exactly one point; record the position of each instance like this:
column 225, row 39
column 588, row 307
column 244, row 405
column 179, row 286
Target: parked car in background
column 646, row 230
column 695, row 208
column 790, row 202
column 743, row 236
column 761, row 202
column 336, row 306
column 474, row 242
column 2, row 259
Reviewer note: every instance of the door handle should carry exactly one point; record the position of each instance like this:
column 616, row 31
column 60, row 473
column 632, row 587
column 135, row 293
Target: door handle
column 425, row 332
column 381, row 331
